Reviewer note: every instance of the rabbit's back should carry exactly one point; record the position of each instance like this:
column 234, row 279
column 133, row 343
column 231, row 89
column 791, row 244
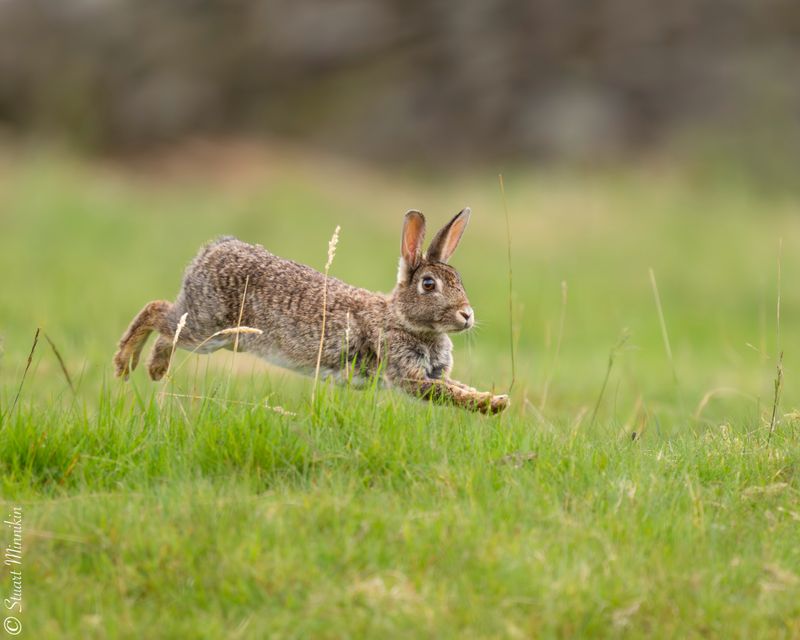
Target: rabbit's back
column 233, row 283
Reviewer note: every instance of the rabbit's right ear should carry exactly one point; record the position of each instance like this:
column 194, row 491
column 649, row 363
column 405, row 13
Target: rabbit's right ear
column 411, row 245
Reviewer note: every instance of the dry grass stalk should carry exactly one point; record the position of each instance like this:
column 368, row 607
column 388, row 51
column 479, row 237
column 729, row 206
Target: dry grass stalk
column 236, row 336
column 576, row 424
column 275, row 408
column 527, row 404
column 709, row 395
column 175, row 338
column 235, row 331
column 239, row 320
column 778, row 304
column 230, row 331
column 611, row 357
column 222, row 332
column 25, row 373
column 663, row 322
column 347, row 346
column 331, row 254
column 776, row 399
column 510, row 285
column 61, row 363
column 779, row 369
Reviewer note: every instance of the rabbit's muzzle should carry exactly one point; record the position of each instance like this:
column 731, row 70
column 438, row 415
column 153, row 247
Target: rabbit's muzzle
column 460, row 319
column 466, row 316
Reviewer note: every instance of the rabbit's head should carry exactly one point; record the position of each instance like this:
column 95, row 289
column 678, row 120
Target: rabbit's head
column 429, row 296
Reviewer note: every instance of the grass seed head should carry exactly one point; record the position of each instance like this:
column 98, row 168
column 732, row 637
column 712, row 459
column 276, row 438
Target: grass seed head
column 332, row 247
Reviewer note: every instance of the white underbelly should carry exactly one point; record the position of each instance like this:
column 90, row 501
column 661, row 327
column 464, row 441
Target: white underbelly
column 277, row 358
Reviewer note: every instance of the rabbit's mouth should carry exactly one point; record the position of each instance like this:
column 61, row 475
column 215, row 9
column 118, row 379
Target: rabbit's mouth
column 454, row 325
column 464, row 325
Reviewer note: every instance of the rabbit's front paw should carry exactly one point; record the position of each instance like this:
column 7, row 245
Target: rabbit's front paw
column 490, row 403
column 499, row 403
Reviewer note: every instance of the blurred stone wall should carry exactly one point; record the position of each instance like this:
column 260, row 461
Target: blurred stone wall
column 401, row 79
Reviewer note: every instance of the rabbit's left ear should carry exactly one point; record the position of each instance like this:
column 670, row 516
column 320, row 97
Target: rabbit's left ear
column 445, row 242
column 411, row 245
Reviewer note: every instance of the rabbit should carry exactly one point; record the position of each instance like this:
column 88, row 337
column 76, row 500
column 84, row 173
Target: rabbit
column 401, row 336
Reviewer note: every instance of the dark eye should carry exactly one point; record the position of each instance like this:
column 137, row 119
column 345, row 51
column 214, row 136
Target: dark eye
column 428, row 283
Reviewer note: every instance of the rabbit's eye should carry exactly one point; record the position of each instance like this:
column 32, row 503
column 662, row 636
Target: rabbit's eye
column 428, row 283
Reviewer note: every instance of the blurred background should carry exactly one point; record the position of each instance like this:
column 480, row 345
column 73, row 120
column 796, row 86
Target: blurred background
column 438, row 82
column 631, row 133
column 641, row 142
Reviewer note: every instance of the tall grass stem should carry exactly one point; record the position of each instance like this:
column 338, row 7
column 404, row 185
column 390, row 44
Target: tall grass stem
column 25, row 373
column 331, row 254
column 778, row 385
column 510, row 285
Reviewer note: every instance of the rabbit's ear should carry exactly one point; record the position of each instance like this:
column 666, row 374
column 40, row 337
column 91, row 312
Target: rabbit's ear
column 411, row 246
column 445, row 242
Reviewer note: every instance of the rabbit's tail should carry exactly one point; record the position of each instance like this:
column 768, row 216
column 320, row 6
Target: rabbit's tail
column 156, row 316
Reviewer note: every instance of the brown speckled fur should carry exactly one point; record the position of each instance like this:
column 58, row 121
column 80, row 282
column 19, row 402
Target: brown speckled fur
column 402, row 335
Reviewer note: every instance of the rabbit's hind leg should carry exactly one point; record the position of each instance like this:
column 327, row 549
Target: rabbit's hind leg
column 156, row 316
column 163, row 350
column 158, row 364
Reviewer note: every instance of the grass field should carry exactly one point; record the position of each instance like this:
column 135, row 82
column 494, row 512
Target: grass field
column 653, row 508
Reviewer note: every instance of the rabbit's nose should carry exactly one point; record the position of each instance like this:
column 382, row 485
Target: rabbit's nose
column 466, row 313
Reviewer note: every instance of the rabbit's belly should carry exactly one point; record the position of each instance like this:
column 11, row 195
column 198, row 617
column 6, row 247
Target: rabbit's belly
column 278, row 358
column 214, row 344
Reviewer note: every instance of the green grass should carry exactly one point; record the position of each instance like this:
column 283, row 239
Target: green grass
column 371, row 514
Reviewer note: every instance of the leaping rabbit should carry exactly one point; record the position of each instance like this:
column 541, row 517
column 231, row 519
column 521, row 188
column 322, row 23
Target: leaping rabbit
column 401, row 336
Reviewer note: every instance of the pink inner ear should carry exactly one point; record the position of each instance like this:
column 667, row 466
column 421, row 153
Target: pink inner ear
column 413, row 233
column 454, row 234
